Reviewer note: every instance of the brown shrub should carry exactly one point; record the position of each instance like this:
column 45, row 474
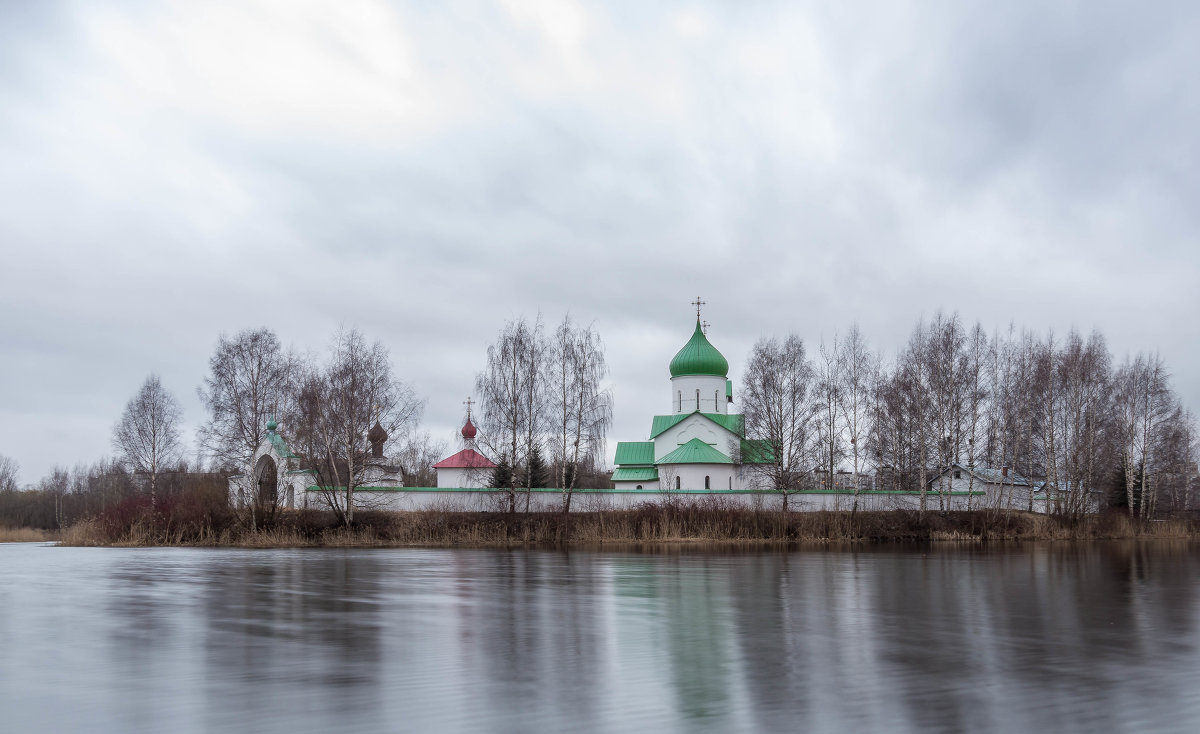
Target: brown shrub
column 709, row 520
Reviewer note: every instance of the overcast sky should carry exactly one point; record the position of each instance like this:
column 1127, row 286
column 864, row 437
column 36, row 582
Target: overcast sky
column 173, row 170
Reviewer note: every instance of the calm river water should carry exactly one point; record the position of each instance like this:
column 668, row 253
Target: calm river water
column 1093, row 638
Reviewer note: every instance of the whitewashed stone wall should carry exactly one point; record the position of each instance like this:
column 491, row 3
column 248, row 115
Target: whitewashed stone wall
column 468, row 500
column 1002, row 495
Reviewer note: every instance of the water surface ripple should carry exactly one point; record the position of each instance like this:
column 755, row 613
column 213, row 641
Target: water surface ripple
column 1033, row 638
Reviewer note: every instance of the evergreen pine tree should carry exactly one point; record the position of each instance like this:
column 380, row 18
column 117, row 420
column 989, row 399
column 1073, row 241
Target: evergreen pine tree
column 535, row 470
column 502, row 474
column 1117, row 494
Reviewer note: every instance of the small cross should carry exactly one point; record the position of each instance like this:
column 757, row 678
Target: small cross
column 468, row 403
column 704, row 327
column 698, row 303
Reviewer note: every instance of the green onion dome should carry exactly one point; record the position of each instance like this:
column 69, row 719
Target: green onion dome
column 698, row 357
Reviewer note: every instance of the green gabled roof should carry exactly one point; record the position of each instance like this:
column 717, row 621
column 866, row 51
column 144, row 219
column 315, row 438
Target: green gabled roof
column 280, row 445
column 635, row 452
column 695, row 452
column 636, row 474
column 757, row 451
column 735, row 424
column 699, row 357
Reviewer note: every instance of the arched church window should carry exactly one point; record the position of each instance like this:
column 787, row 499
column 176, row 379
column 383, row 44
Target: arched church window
column 697, row 398
column 716, row 400
column 706, row 483
column 731, row 482
column 639, row 486
column 676, row 482
column 679, row 403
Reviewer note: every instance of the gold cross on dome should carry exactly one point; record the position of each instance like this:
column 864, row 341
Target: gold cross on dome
column 698, row 303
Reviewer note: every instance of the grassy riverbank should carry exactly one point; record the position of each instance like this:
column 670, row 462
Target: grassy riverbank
column 27, row 535
column 651, row 523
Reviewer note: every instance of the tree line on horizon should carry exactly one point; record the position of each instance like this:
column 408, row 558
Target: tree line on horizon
column 1059, row 409
column 327, row 404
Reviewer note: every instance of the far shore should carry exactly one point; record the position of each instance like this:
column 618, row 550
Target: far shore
column 648, row 524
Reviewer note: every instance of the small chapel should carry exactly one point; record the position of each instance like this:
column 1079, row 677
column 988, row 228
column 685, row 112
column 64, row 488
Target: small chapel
column 701, row 443
column 467, row 469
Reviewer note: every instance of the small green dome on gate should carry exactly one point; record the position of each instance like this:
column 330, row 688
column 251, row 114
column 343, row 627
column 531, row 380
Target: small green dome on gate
column 699, row 357
column 271, row 424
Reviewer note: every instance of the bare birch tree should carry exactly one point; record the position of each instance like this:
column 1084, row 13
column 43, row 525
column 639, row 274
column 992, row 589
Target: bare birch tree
column 1030, row 388
column 581, row 407
column 338, row 403
column 890, row 438
column 1080, row 415
column 778, row 407
column 915, row 384
column 147, row 437
column 1145, row 404
column 1177, row 455
column 9, row 470
column 942, row 369
column 417, row 455
column 251, row 380
column 977, row 368
column 828, row 386
column 858, row 371
column 511, row 393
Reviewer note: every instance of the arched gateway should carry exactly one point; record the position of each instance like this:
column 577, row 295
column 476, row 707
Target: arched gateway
column 275, row 479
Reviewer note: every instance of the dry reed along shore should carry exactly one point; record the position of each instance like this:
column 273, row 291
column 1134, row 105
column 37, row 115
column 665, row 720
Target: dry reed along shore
column 697, row 523
column 27, row 535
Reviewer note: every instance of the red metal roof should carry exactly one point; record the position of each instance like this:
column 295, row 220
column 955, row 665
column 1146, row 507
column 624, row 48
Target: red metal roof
column 466, row 459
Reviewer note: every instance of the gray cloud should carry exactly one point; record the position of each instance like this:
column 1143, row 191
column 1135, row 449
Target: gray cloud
column 169, row 172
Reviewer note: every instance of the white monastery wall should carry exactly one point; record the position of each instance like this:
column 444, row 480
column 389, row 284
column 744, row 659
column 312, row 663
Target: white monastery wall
column 1003, row 496
column 408, row 500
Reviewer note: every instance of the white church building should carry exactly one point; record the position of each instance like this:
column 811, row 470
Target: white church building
column 700, row 444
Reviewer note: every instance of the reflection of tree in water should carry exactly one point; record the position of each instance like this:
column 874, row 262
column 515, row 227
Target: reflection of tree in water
column 294, row 623
column 772, row 643
column 807, row 631
column 535, row 637
column 929, row 643
column 1070, row 637
column 1040, row 637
